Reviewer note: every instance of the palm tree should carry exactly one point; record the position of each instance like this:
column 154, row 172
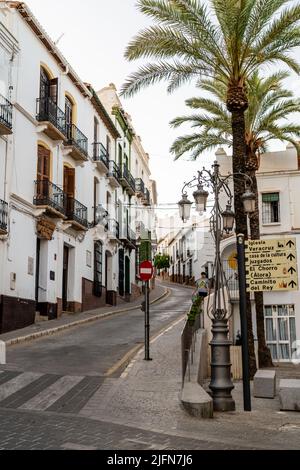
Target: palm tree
column 229, row 39
column 270, row 107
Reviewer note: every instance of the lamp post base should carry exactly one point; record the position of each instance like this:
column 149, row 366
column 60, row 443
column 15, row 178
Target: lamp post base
column 221, row 384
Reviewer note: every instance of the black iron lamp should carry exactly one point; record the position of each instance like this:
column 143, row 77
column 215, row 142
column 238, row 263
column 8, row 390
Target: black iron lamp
column 228, row 219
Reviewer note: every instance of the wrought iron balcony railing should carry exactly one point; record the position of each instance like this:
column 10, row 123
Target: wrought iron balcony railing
column 114, row 170
column 139, row 186
column 131, row 235
column 5, row 112
column 128, row 177
column 77, row 138
column 100, row 154
column 48, row 194
column 47, row 110
column 113, row 228
column 77, row 212
column 3, row 215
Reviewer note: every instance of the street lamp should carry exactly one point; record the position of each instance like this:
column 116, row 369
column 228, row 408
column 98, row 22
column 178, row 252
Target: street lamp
column 200, row 197
column 184, row 207
column 249, row 200
column 221, row 220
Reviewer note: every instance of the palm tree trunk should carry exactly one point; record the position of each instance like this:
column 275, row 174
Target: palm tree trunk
column 264, row 354
column 238, row 164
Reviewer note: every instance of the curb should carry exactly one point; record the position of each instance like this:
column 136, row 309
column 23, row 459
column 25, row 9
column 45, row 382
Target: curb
column 52, row 331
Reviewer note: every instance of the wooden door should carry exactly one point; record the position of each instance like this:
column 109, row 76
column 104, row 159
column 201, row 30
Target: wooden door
column 43, row 172
column 69, row 188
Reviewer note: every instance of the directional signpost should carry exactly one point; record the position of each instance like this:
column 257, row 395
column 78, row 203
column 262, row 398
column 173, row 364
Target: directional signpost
column 146, row 273
column 271, row 265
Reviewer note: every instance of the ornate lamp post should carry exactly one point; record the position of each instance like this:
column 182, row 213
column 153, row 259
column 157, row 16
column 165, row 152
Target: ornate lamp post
column 221, row 220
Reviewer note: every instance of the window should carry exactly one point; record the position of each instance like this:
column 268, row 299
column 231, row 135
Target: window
column 69, row 116
column 120, row 155
column 270, row 208
column 98, row 255
column 280, row 330
column 96, row 130
column 108, row 144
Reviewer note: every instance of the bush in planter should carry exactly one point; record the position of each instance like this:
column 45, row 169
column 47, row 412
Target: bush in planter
column 195, row 309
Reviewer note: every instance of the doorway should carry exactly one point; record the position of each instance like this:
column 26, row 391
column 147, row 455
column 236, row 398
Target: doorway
column 37, row 269
column 127, row 275
column 65, row 279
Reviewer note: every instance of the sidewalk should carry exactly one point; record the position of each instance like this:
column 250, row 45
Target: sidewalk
column 46, row 328
column 147, row 396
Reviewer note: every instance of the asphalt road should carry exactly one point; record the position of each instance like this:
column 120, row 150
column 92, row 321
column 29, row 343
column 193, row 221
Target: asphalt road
column 93, row 349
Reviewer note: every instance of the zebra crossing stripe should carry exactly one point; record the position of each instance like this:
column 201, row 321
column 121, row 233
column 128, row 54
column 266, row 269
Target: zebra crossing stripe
column 48, row 397
column 16, row 384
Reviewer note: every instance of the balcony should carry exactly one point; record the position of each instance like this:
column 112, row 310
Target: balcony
column 112, row 229
column 50, row 197
column 52, row 117
column 77, row 214
column 139, row 187
column 114, row 174
column 128, row 236
column 77, row 143
column 127, row 180
column 5, row 116
column 146, row 198
column 100, row 157
column 3, row 217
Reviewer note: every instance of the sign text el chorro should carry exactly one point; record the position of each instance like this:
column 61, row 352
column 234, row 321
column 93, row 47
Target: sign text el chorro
column 271, row 265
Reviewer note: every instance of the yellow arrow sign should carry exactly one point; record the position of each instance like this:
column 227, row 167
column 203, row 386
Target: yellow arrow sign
column 271, row 264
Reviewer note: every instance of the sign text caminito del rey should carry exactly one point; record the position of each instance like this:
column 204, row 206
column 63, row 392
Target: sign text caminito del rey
column 271, row 265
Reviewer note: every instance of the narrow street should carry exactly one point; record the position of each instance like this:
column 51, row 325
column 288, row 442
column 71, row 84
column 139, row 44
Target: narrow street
column 59, row 374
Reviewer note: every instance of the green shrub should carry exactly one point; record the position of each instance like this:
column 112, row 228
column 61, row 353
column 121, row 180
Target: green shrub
column 195, row 310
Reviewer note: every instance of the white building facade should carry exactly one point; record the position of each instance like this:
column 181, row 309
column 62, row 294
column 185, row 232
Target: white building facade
column 191, row 251
column 279, row 193
column 67, row 233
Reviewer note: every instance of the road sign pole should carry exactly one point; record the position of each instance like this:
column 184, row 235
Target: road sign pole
column 243, row 316
column 147, row 323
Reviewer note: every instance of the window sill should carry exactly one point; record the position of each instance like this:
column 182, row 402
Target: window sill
column 271, row 224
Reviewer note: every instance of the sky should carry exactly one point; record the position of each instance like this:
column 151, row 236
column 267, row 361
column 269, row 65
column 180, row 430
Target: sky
column 95, row 35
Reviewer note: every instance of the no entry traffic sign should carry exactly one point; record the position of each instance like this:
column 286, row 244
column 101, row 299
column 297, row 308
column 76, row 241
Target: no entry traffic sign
column 146, row 271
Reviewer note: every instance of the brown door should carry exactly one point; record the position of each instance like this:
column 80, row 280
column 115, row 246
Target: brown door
column 69, row 188
column 43, row 172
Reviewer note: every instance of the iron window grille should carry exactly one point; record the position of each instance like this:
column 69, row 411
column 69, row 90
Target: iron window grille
column 270, row 208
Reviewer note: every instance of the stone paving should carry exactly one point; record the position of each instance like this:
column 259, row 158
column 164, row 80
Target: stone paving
column 147, row 396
